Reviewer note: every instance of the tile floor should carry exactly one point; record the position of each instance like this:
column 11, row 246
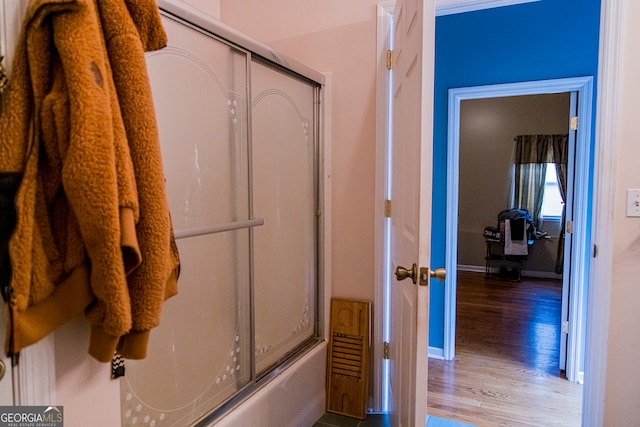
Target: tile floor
column 378, row 420
column 335, row 420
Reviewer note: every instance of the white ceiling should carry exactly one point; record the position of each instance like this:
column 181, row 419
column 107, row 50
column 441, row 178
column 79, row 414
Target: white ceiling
column 448, row 7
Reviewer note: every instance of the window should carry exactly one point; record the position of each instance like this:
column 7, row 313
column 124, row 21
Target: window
column 552, row 203
column 535, row 183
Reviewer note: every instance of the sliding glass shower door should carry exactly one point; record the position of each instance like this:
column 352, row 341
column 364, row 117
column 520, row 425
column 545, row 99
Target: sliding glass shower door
column 284, row 194
column 239, row 140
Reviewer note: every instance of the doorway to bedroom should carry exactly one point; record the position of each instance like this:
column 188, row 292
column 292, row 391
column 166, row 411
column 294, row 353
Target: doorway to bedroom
column 575, row 265
column 515, row 154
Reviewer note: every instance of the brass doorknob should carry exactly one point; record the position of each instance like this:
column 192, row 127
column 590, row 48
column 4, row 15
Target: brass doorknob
column 438, row 274
column 402, row 273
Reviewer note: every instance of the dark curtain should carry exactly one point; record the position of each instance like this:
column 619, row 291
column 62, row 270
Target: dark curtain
column 532, row 154
column 560, row 148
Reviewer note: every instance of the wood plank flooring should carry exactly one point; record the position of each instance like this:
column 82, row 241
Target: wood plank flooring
column 507, row 350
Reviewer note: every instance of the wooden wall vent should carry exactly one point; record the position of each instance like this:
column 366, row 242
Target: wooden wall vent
column 348, row 360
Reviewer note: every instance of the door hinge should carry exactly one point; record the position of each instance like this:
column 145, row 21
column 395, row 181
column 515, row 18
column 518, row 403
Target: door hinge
column 387, row 208
column 565, row 327
column 385, row 354
column 569, row 227
column 389, row 59
column 574, row 123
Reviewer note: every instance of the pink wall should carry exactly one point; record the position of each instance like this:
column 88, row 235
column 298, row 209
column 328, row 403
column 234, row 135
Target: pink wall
column 338, row 37
column 623, row 349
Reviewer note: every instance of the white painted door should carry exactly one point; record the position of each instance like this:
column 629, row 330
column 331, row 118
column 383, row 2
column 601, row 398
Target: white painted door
column 568, row 353
column 412, row 112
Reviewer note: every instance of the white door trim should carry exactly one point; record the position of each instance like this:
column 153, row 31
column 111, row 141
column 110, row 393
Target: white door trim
column 381, row 232
column 34, row 380
column 607, row 119
column 581, row 199
column 598, row 320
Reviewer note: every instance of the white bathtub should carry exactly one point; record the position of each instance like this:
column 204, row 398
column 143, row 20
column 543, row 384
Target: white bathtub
column 295, row 398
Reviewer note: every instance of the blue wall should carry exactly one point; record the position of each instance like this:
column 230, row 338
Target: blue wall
column 536, row 41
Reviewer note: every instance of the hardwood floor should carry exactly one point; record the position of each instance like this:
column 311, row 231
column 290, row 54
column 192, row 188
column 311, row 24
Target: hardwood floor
column 507, row 349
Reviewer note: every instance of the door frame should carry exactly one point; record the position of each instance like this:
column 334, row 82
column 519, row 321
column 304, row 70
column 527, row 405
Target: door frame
column 380, row 322
column 581, row 203
column 604, row 158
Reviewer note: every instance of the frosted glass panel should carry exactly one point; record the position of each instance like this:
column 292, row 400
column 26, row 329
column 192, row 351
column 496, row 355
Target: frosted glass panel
column 200, row 354
column 247, row 292
column 199, row 89
column 284, row 195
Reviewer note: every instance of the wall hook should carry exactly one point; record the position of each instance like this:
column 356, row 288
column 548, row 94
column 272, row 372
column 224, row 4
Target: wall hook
column 3, row 75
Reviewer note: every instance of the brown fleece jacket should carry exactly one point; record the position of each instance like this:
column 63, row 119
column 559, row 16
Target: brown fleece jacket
column 85, row 239
column 129, row 31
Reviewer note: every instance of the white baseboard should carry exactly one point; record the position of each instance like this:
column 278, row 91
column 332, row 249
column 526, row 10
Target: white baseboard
column 436, row 353
column 542, row 274
column 526, row 273
column 473, row 268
